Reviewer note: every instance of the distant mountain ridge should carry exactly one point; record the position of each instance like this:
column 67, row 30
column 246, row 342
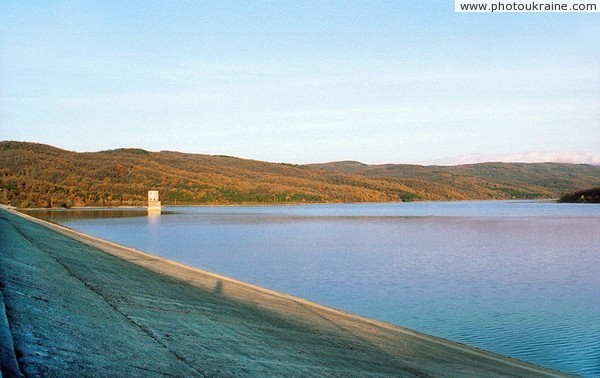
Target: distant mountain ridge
column 38, row 175
column 525, row 157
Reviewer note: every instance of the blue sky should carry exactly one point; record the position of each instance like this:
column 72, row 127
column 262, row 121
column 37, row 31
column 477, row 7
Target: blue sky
column 299, row 81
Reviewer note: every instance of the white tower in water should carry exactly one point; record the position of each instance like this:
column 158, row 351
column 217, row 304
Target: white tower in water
column 153, row 202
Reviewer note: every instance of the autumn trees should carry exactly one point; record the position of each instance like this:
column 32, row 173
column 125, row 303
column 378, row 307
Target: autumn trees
column 36, row 175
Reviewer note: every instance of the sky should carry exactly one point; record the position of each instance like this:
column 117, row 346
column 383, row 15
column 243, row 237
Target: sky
column 402, row 81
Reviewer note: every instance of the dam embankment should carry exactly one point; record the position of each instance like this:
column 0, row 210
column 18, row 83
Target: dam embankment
column 80, row 306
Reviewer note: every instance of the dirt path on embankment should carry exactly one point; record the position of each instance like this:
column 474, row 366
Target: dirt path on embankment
column 80, row 306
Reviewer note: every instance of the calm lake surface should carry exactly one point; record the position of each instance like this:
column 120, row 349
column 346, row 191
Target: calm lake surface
column 517, row 278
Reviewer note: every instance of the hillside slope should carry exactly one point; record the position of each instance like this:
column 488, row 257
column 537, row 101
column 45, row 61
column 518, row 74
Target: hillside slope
column 37, row 175
column 481, row 181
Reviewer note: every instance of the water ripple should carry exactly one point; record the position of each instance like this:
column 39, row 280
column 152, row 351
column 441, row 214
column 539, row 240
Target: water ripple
column 520, row 279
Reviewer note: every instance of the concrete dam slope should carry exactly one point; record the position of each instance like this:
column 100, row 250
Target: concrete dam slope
column 75, row 305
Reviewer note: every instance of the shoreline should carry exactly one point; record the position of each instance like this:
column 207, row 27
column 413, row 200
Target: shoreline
column 274, row 204
column 400, row 346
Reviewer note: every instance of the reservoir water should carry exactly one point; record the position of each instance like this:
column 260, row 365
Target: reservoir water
column 517, row 278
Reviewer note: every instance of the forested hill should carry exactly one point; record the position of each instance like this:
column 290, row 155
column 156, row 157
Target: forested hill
column 36, row 175
column 483, row 180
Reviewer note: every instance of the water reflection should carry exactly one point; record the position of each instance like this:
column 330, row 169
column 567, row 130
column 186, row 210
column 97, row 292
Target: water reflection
column 153, row 216
column 59, row 215
column 154, row 211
